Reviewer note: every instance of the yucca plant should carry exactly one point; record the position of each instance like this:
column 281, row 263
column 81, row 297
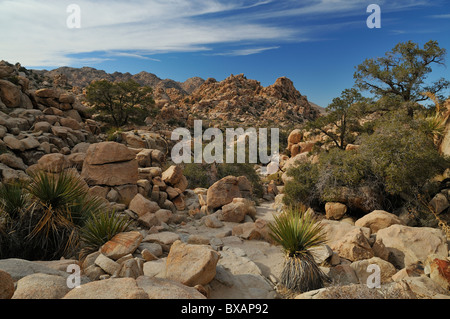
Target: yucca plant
column 435, row 124
column 297, row 232
column 60, row 206
column 100, row 228
column 14, row 204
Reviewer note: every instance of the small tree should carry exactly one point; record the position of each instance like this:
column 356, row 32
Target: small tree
column 402, row 72
column 342, row 117
column 120, row 102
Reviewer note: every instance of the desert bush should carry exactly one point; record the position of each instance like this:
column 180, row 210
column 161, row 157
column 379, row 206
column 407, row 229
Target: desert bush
column 197, row 175
column 394, row 162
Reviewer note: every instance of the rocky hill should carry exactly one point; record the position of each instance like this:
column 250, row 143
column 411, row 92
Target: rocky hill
column 82, row 77
column 233, row 100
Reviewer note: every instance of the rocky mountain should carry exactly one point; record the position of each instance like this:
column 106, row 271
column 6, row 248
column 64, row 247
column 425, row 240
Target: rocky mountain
column 81, row 77
column 236, row 99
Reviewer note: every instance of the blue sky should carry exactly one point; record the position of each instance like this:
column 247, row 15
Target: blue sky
column 315, row 43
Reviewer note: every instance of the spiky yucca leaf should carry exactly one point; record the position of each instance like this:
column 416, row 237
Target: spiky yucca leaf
column 297, row 232
column 13, row 200
column 100, row 228
column 60, row 203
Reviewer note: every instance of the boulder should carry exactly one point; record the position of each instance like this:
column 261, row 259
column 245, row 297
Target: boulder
column 108, row 152
column 41, row 286
column 378, row 219
column 10, row 94
column 113, row 288
column 226, row 285
column 172, row 175
column 155, row 268
column 131, row 268
column 6, row 285
column 113, row 174
column 343, row 275
column 163, row 238
column 14, row 143
column 43, row 127
column 191, row 264
column 19, row 268
column 154, row 248
column 160, row 288
column 107, row 264
column 336, row 230
column 127, row 193
column 353, row 246
column 144, row 158
column 12, row 161
column 141, row 205
column 335, row 210
column 70, row 123
column 47, row 93
column 237, row 210
column 122, row 244
column 408, row 245
column 387, row 270
column 54, row 163
column 30, row 143
column 439, row 271
column 439, row 203
column 223, row 191
column 212, row 221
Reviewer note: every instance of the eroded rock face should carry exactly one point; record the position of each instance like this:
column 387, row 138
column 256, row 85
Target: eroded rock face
column 237, row 210
column 41, row 286
column 161, row 288
column 6, row 285
column 377, row 220
column 10, row 94
column 408, row 245
column 191, row 264
column 122, row 244
column 225, row 190
column 110, row 164
column 354, row 246
column 113, row 288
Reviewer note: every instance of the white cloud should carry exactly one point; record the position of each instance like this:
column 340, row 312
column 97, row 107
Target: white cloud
column 247, row 51
column 35, row 33
column 441, row 16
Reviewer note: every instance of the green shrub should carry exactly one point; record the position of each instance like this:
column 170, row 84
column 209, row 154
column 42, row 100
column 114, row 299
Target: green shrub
column 301, row 189
column 197, row 175
column 100, row 228
column 396, row 161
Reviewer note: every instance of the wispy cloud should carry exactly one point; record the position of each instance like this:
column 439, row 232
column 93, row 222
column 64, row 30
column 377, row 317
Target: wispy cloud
column 34, row 32
column 245, row 51
column 441, row 16
column 132, row 55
